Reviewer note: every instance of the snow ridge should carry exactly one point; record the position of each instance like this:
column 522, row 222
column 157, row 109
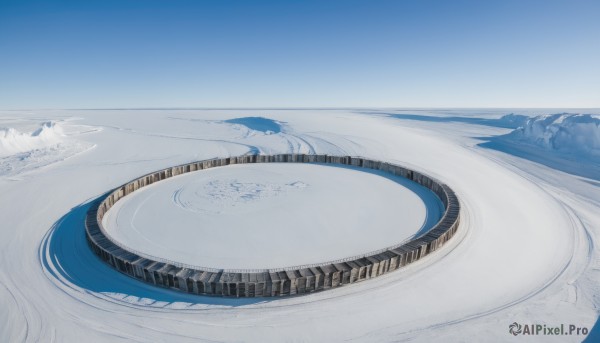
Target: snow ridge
column 571, row 133
column 13, row 142
column 22, row 152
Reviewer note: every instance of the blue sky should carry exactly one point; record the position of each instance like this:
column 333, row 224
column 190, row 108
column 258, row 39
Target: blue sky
column 147, row 53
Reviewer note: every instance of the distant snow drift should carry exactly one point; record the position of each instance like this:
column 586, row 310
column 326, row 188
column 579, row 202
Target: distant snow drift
column 574, row 133
column 13, row 141
column 25, row 151
column 513, row 120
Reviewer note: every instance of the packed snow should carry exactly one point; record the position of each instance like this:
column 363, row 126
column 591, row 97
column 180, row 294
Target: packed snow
column 526, row 250
column 271, row 215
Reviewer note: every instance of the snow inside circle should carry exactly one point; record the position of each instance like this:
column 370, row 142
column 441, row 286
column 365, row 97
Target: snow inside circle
column 272, row 215
column 218, row 196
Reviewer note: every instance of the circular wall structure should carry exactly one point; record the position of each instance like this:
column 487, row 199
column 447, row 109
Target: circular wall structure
column 272, row 215
column 265, row 280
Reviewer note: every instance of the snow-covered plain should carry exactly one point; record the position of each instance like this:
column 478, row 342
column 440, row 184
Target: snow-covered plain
column 526, row 250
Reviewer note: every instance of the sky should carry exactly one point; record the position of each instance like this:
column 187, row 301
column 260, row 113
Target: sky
column 347, row 53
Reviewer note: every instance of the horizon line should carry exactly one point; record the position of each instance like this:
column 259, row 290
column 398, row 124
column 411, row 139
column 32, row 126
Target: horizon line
column 397, row 108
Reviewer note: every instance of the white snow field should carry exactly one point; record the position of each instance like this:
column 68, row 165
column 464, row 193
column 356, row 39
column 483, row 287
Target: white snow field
column 526, row 250
column 271, row 215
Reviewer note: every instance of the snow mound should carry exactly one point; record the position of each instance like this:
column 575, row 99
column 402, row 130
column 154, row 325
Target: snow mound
column 13, row 142
column 570, row 133
column 513, row 120
column 22, row 152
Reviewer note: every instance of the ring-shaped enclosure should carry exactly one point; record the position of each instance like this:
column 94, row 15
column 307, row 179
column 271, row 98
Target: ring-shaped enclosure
column 269, row 282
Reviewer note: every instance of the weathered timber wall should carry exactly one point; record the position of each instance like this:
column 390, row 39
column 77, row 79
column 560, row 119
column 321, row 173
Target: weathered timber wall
column 269, row 282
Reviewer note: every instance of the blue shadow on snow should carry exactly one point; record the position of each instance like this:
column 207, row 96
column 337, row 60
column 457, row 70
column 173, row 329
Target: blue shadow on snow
column 584, row 166
column 65, row 256
column 512, row 123
column 579, row 165
column 594, row 334
column 257, row 124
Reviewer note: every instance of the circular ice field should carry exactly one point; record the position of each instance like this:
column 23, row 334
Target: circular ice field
column 272, row 215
